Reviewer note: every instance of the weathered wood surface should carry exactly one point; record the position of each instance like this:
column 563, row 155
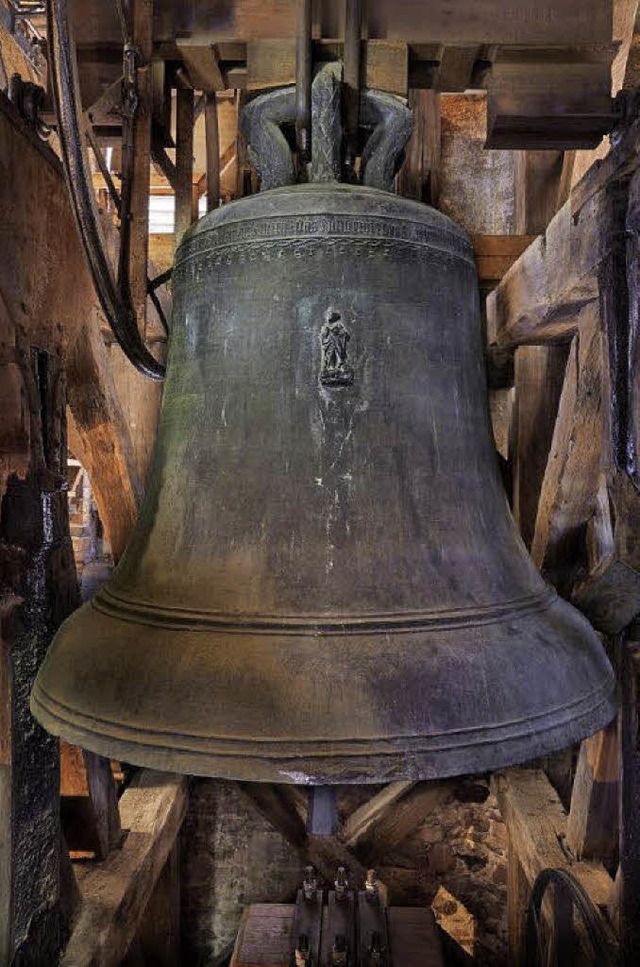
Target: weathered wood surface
column 540, row 297
column 418, row 177
column 158, row 939
column 592, row 824
column 184, row 161
column 570, row 484
column 544, row 104
column 561, row 22
column 543, row 181
column 537, row 825
column 116, row 892
column 362, row 821
column 89, row 807
column 495, row 254
column 265, row 936
column 414, row 938
column 539, row 377
column 39, row 314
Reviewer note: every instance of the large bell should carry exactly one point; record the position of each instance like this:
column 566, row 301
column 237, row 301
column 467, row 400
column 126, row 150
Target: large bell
column 325, row 584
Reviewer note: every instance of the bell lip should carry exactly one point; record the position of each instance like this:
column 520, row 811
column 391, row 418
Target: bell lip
column 224, row 759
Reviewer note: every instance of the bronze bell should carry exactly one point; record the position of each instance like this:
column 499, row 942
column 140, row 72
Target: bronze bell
column 325, row 584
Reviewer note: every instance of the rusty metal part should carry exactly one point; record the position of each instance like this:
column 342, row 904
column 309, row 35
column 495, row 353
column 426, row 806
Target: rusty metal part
column 115, row 299
column 325, row 584
column 352, row 70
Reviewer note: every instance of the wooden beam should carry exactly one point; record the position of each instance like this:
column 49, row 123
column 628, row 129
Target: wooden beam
column 592, row 825
column 570, row 484
column 540, row 298
column 276, row 804
column 562, row 22
column 540, row 178
column 539, row 376
column 540, row 103
column 184, row 161
column 360, row 823
column 115, row 893
column 202, row 64
column 418, row 177
column 495, row 254
column 89, row 806
column 536, row 824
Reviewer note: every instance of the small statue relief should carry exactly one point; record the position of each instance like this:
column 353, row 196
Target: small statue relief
column 334, row 337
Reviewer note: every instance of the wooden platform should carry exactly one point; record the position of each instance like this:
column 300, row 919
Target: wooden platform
column 266, row 937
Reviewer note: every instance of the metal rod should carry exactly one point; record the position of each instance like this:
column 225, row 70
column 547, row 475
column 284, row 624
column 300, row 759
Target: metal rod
column 303, row 79
column 352, row 69
column 212, row 141
column 104, row 168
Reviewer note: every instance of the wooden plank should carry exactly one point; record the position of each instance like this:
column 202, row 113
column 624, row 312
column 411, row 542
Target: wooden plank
column 418, row 177
column 517, row 897
column 89, row 806
column 115, row 893
column 539, row 377
column 277, row 806
column 592, row 824
column 414, row 938
column 202, row 66
column 540, row 179
column 406, row 817
column 184, row 161
column 360, row 823
column 546, row 105
column 270, row 63
column 265, row 937
column 456, row 68
column 559, row 22
column 537, row 823
column 495, row 254
column 158, row 938
column 570, row 484
column 540, row 297
column 386, row 66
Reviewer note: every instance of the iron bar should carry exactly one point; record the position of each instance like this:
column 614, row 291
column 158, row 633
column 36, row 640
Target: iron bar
column 352, row 69
column 303, row 80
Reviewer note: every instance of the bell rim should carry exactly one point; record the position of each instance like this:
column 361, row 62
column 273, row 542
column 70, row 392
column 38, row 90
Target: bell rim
column 469, row 750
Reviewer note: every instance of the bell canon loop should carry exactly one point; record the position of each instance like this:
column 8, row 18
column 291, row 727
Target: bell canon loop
column 325, row 584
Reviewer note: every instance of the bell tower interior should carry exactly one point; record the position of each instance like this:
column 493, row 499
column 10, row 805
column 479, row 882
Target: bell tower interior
column 320, row 486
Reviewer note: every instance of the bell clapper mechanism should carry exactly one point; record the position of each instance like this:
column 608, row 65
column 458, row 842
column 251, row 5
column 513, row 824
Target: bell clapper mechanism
column 353, row 546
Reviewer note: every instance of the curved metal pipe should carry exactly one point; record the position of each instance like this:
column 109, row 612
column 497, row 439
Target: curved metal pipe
column 116, row 305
